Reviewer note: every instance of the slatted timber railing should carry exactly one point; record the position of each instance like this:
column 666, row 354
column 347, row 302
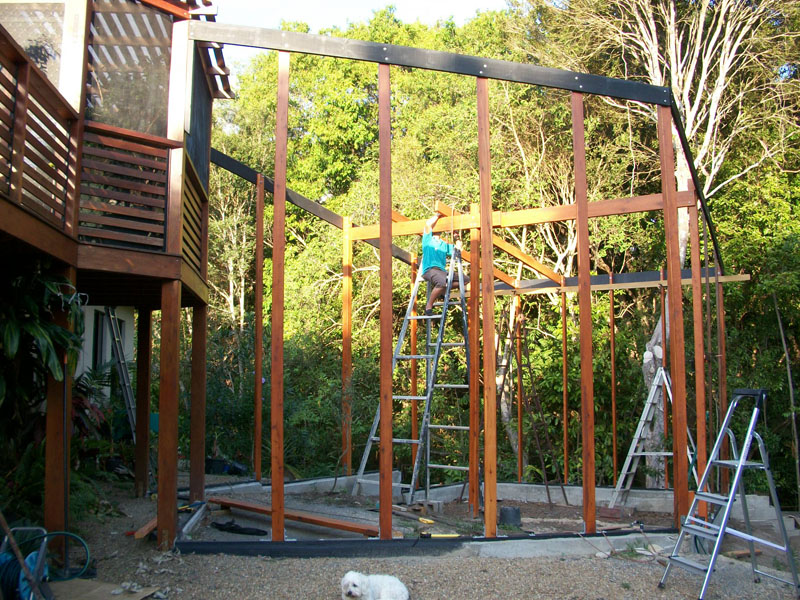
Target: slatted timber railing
column 38, row 139
column 124, row 184
column 194, row 213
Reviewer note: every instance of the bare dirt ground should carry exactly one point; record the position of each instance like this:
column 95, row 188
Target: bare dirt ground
column 120, row 559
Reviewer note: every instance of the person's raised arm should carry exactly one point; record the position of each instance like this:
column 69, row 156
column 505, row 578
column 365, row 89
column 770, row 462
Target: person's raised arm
column 429, row 224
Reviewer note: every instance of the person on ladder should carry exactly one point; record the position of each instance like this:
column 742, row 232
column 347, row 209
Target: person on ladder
column 435, row 252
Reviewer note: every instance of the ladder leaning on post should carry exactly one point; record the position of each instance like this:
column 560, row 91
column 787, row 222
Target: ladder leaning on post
column 637, row 451
column 715, row 529
column 435, row 345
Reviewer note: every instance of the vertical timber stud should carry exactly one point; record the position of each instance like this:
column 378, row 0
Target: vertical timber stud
column 664, row 398
column 197, row 418
column 722, row 369
column 564, row 390
column 347, row 345
column 385, row 245
column 487, row 293
column 144, row 344
column 675, row 307
column 474, row 367
column 58, row 435
column 258, row 358
column 414, row 373
column 169, row 383
column 278, row 263
column 585, row 307
column 520, row 332
column 613, row 327
column 699, row 353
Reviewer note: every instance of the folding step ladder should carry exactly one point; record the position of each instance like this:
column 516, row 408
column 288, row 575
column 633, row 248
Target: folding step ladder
column 435, row 346
column 636, row 450
column 118, row 352
column 716, row 528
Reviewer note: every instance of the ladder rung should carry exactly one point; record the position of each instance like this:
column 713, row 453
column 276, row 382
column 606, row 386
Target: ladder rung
column 449, row 427
column 397, row 440
column 409, row 397
column 712, row 498
column 452, row 344
column 452, row 386
column 421, row 317
column 732, row 464
column 709, row 531
column 688, row 564
column 651, row 453
column 413, row 356
column 451, row 467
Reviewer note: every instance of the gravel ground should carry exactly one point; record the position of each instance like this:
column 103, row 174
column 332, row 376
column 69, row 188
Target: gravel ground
column 459, row 575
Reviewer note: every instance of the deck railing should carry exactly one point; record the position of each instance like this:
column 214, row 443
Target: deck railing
column 124, row 183
column 194, row 213
column 38, row 140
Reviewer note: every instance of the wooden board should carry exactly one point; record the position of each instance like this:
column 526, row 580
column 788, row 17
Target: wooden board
column 145, row 529
column 295, row 515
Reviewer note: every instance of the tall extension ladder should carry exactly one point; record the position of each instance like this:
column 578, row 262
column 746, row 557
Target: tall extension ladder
column 118, row 352
column 435, row 345
column 715, row 529
column 636, row 451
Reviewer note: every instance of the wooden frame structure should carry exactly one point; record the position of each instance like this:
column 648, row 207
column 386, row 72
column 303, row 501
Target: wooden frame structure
column 125, row 216
column 481, row 222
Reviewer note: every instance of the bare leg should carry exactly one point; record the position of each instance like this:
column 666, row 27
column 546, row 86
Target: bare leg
column 437, row 293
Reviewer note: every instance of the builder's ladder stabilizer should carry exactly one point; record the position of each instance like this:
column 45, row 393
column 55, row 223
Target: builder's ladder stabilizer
column 715, row 529
column 435, row 346
column 118, row 352
column 637, row 451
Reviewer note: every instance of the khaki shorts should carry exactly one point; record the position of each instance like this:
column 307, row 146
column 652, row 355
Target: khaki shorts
column 438, row 278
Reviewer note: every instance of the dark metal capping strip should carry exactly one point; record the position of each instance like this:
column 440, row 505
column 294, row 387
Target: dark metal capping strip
column 676, row 118
column 315, row 208
column 436, row 60
column 373, row 547
column 642, row 277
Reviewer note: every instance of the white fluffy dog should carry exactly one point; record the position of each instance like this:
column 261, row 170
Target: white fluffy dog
column 372, row 587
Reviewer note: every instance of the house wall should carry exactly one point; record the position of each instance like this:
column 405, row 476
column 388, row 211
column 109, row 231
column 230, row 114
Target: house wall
column 94, row 316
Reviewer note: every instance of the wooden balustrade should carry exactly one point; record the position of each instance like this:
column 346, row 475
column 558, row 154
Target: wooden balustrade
column 38, row 139
column 123, row 188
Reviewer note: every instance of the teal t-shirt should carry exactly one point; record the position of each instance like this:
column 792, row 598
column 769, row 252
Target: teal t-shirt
column 434, row 252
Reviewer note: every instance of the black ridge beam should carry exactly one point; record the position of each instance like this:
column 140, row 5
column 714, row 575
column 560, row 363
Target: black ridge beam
column 315, row 208
column 434, row 60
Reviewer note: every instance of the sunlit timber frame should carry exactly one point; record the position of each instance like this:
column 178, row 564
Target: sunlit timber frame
column 482, row 221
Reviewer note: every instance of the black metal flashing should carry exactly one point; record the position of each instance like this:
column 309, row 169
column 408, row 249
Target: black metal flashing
column 631, row 279
column 435, row 60
column 315, row 208
column 676, row 119
column 354, row 548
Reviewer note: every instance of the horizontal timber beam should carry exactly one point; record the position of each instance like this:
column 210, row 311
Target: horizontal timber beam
column 503, row 245
column 434, row 60
column 315, row 208
column 531, row 216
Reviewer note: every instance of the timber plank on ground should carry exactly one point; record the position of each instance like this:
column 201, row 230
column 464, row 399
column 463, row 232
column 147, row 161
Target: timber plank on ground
column 296, row 515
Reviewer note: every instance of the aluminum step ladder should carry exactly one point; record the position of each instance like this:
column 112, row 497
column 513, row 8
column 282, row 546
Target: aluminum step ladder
column 636, row 450
column 118, row 352
column 435, row 346
column 715, row 529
